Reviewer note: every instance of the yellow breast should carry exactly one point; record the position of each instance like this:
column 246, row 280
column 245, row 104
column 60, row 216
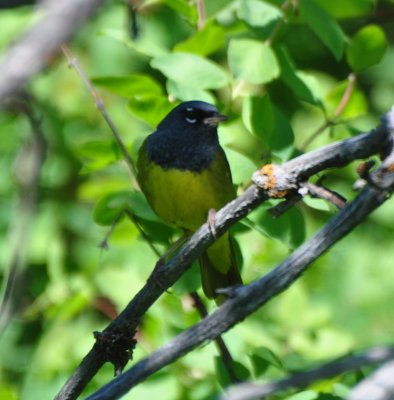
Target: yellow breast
column 183, row 198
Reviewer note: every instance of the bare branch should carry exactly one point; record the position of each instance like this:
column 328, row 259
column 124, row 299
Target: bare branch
column 321, row 192
column 375, row 355
column 73, row 62
column 31, row 53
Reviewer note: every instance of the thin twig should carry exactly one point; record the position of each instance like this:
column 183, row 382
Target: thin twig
column 278, row 25
column 73, row 62
column 321, row 192
column 346, row 95
column 284, row 206
column 146, row 237
column 339, row 110
column 201, row 14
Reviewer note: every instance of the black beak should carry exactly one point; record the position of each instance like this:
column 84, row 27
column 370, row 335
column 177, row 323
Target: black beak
column 215, row 120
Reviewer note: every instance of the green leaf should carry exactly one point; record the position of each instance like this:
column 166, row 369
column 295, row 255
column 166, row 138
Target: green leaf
column 324, row 26
column 288, row 228
column 282, row 139
column 130, row 86
column 258, row 13
column 300, row 83
column 203, row 42
column 242, row 167
column 258, row 117
column 252, row 61
column 366, row 48
column 356, row 106
column 183, row 8
column 189, row 282
column 340, row 9
column 157, row 231
column 262, row 358
column 185, row 93
column 241, row 372
column 191, row 70
column 147, row 48
column 318, row 204
column 305, row 395
column 269, row 124
column 110, row 206
column 98, row 154
column 150, row 109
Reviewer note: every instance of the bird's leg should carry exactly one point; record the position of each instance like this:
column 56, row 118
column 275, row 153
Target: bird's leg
column 212, row 222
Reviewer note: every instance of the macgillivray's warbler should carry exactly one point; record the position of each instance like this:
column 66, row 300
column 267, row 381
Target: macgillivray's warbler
column 184, row 173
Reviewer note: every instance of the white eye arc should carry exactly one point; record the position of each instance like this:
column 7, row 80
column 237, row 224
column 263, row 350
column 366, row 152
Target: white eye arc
column 191, row 120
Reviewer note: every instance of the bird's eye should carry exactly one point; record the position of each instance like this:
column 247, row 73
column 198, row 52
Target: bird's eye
column 191, row 116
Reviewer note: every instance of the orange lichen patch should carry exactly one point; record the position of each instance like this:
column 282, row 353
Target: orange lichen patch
column 266, row 179
column 268, row 170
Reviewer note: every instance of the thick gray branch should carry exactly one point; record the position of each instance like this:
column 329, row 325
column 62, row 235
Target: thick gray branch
column 31, row 53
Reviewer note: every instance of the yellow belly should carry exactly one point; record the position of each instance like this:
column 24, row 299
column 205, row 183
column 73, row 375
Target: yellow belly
column 183, row 198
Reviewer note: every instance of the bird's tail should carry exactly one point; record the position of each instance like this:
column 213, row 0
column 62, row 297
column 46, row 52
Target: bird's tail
column 219, row 268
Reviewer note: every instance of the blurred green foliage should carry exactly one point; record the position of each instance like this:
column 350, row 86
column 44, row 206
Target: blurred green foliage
column 280, row 74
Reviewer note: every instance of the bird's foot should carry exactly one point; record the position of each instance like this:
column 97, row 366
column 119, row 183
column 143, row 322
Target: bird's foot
column 212, row 222
column 228, row 292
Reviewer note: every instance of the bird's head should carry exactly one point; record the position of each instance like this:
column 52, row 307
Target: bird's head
column 193, row 116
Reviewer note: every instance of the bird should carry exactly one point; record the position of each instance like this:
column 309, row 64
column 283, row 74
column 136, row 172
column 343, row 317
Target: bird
column 185, row 175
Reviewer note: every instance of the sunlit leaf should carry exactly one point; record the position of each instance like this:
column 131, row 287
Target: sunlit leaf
column 204, row 42
column 304, row 395
column 242, row 167
column 347, row 9
column 258, row 13
column 191, row 70
column 367, row 47
column 146, row 48
column 183, row 92
column 130, row 85
column 252, row 61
